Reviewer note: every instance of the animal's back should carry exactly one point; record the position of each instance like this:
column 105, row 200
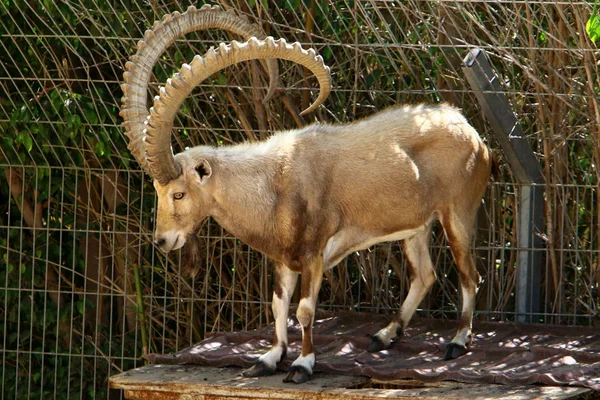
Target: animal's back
column 420, row 148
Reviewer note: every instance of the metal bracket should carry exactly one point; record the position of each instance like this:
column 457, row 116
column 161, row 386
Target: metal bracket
column 509, row 134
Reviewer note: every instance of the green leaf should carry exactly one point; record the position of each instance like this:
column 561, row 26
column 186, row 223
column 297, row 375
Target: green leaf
column 64, row 314
column 91, row 116
column 74, row 121
column 25, row 114
column 222, row 80
column 327, row 53
column 592, row 27
column 100, row 149
column 14, row 117
column 80, row 306
column 291, row 5
column 28, row 142
column 49, row 6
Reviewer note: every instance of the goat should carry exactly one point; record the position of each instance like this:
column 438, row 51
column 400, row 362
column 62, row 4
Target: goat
column 309, row 197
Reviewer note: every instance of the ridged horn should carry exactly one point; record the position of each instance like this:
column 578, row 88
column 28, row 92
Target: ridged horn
column 167, row 103
column 134, row 110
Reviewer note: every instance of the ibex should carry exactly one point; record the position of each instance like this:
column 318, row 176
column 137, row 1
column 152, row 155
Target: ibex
column 308, row 197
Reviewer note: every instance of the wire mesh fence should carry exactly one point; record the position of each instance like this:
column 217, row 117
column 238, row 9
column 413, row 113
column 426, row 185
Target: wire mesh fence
column 83, row 293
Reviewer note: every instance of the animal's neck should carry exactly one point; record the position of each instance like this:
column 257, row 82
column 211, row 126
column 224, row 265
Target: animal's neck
column 244, row 200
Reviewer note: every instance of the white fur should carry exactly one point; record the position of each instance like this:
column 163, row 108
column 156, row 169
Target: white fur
column 388, row 333
column 308, row 362
column 272, row 357
column 348, row 241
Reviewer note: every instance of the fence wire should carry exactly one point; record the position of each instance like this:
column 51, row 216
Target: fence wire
column 83, row 293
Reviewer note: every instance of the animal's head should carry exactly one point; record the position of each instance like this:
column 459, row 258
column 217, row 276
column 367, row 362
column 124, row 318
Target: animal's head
column 183, row 203
column 183, row 182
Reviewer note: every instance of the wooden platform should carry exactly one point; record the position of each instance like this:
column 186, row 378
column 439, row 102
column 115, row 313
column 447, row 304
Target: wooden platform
column 187, row 382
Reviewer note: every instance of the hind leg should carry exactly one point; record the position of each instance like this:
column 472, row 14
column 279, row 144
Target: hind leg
column 459, row 231
column 422, row 275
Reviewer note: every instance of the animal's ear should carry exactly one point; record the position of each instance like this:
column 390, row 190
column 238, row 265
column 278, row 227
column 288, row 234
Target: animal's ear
column 204, row 171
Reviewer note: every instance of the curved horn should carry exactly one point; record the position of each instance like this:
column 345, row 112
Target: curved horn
column 134, row 110
column 179, row 87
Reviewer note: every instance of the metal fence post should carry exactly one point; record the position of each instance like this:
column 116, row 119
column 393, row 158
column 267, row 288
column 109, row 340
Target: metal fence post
column 518, row 152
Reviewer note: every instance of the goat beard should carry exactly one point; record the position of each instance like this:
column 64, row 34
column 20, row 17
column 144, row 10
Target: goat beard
column 190, row 265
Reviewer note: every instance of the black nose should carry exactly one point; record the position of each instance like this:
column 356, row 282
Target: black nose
column 160, row 242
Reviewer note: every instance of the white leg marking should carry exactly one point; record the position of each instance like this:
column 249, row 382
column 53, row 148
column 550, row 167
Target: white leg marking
column 311, row 283
column 423, row 276
column 388, row 333
column 463, row 335
column 281, row 306
column 416, row 249
column 307, row 362
column 416, row 293
column 272, row 357
column 286, row 282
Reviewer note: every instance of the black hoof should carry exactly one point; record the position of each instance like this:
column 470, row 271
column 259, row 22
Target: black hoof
column 376, row 345
column 454, row 350
column 297, row 374
column 259, row 369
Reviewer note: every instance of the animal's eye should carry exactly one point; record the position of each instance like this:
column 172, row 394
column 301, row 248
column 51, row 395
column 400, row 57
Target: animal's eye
column 178, row 195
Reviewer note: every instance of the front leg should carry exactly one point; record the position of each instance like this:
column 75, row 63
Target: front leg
column 285, row 283
column 312, row 275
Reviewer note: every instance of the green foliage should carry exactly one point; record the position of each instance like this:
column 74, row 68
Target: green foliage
column 53, row 120
column 592, row 27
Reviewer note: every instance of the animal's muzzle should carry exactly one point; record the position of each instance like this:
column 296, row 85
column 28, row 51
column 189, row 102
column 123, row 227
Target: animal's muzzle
column 161, row 243
column 169, row 241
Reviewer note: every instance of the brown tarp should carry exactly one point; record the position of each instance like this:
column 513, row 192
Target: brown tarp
column 505, row 353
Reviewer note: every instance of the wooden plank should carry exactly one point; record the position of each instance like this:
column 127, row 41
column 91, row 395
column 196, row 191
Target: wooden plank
column 193, row 382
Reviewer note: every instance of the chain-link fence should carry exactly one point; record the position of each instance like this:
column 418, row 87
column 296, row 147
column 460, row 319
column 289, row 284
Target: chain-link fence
column 83, row 293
